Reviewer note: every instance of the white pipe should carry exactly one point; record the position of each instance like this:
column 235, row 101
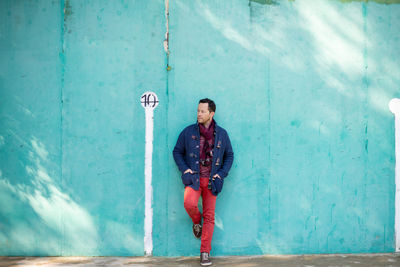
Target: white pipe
column 149, row 101
column 148, row 217
column 394, row 106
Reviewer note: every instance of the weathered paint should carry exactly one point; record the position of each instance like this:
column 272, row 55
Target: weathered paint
column 265, row 2
column 302, row 88
column 166, row 27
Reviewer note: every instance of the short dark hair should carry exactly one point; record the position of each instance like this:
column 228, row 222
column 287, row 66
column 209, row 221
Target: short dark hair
column 211, row 104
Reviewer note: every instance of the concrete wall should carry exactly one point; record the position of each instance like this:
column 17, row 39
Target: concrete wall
column 301, row 86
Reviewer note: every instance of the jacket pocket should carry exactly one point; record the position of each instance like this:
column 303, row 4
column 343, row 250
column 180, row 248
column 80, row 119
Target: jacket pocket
column 218, row 184
column 187, row 178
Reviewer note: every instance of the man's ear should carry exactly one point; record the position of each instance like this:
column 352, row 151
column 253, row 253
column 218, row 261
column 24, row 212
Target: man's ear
column 212, row 114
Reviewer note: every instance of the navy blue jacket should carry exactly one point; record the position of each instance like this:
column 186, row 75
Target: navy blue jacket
column 187, row 156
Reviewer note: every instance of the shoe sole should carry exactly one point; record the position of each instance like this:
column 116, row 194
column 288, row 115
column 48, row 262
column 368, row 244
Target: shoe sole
column 206, row 264
column 196, row 236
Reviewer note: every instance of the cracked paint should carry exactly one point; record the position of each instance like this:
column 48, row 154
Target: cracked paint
column 166, row 41
column 67, row 9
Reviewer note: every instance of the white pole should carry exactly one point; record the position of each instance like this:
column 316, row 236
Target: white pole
column 394, row 106
column 149, row 102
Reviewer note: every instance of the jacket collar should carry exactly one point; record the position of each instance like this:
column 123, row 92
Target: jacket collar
column 215, row 128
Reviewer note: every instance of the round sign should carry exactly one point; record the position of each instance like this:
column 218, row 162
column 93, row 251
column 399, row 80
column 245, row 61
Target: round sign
column 394, row 106
column 149, row 100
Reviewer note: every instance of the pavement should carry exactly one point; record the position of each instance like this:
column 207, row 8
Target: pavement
column 330, row 260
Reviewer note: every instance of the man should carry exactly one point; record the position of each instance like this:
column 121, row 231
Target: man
column 204, row 155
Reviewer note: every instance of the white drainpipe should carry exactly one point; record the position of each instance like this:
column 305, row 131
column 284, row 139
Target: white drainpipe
column 394, row 106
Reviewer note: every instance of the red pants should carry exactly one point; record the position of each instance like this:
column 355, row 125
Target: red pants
column 191, row 199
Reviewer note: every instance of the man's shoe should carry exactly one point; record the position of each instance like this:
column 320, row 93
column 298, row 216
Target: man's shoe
column 197, row 230
column 205, row 259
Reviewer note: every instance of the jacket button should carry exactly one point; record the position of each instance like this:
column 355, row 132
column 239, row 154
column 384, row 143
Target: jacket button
column 197, row 146
column 197, row 162
column 197, row 180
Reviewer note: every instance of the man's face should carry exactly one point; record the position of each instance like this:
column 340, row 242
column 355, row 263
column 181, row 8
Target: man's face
column 203, row 114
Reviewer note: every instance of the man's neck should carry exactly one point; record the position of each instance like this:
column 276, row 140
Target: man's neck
column 207, row 123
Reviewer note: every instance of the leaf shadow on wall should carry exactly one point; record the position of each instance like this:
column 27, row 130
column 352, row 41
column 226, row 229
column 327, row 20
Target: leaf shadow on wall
column 38, row 217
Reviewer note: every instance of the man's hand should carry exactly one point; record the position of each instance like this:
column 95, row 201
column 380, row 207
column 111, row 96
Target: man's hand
column 216, row 176
column 188, row 170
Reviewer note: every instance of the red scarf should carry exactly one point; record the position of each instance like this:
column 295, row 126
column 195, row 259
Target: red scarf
column 208, row 134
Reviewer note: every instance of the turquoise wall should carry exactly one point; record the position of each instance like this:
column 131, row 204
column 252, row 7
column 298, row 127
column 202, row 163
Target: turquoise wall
column 301, row 86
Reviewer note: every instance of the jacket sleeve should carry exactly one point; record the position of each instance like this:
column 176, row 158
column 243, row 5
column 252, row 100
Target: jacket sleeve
column 228, row 159
column 179, row 152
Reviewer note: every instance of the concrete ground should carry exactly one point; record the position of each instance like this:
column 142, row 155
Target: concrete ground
column 338, row 260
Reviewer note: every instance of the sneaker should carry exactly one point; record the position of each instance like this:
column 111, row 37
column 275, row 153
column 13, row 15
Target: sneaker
column 197, row 230
column 205, row 259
